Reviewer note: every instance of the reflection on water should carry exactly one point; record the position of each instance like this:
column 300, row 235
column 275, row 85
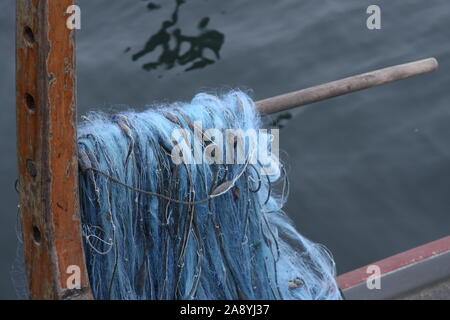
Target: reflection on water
column 153, row 6
column 281, row 120
column 171, row 56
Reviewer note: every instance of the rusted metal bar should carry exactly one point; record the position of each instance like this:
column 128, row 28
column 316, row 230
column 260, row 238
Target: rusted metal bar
column 346, row 85
column 46, row 144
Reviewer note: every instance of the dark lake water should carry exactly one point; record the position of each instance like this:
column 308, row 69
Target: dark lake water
column 369, row 172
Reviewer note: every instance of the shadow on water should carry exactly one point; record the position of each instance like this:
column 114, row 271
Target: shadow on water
column 171, row 56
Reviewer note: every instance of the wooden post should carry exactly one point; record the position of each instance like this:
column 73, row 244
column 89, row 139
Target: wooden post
column 47, row 153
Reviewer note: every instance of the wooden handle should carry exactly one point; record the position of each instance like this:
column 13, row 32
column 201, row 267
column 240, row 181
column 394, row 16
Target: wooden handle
column 346, row 85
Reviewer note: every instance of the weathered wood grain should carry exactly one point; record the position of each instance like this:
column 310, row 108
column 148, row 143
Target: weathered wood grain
column 47, row 153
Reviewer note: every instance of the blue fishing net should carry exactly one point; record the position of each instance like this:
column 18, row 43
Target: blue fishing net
column 155, row 227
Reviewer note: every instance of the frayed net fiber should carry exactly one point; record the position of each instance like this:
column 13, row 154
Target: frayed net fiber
column 154, row 229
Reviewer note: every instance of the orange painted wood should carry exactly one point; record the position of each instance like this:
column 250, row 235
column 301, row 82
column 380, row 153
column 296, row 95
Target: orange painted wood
column 47, row 152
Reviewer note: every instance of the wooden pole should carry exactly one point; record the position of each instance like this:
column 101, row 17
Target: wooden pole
column 347, row 85
column 47, row 154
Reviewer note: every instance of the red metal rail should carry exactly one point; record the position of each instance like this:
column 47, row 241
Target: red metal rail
column 402, row 273
column 46, row 144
